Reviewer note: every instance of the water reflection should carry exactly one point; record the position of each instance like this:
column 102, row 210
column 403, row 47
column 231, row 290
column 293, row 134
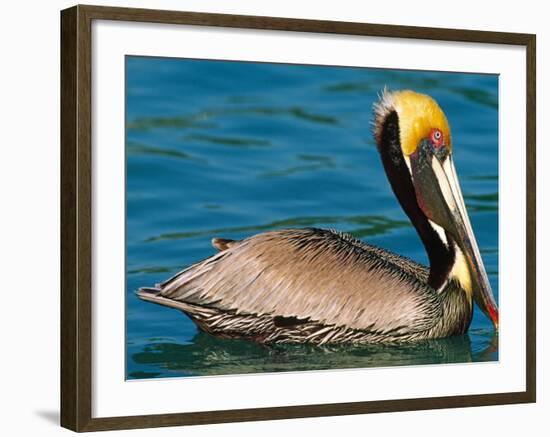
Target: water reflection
column 208, row 355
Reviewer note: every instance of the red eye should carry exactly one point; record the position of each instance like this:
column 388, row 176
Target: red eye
column 436, row 137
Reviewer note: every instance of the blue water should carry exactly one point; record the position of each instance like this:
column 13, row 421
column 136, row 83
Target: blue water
column 230, row 149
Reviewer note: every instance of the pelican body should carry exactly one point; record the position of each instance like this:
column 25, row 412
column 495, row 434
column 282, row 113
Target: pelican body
column 322, row 286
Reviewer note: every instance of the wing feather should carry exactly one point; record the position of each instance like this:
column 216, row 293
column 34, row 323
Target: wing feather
column 314, row 274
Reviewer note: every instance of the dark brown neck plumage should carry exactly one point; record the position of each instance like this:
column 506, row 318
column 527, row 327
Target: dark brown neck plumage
column 440, row 255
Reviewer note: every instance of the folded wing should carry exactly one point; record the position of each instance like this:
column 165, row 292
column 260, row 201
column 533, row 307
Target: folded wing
column 312, row 274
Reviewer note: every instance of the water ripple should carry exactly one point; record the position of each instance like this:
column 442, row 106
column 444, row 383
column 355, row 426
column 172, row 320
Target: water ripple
column 350, row 87
column 142, row 149
column 229, row 141
column 148, row 270
column 198, row 120
column 370, row 225
column 474, row 95
column 477, row 95
column 317, row 162
column 484, row 202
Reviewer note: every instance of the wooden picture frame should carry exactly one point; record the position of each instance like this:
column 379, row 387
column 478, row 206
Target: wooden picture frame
column 76, row 217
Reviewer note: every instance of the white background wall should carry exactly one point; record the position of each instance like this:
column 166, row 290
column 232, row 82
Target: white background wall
column 29, row 219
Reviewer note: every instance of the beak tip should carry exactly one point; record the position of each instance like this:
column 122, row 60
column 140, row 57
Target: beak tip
column 493, row 315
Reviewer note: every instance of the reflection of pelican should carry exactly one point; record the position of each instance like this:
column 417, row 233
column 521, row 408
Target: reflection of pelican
column 208, row 355
column 322, row 286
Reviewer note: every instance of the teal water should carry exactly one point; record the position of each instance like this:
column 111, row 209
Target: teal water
column 230, row 149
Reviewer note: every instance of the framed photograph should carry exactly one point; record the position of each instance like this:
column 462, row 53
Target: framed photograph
column 268, row 218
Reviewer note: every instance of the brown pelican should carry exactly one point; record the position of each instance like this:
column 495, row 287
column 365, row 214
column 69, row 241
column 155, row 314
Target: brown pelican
column 323, row 286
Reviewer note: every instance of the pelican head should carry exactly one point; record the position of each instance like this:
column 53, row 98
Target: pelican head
column 414, row 141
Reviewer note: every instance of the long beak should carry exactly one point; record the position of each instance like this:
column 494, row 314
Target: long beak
column 439, row 195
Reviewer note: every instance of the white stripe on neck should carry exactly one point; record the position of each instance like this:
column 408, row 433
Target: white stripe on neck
column 440, row 232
